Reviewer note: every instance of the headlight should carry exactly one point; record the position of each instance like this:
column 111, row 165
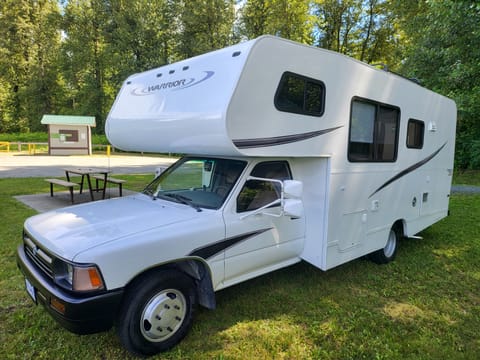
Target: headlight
column 78, row 277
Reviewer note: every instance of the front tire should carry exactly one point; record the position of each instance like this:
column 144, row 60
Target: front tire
column 157, row 312
column 388, row 253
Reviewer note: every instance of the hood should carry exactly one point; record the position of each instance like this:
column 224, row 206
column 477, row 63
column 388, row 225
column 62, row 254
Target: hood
column 71, row 230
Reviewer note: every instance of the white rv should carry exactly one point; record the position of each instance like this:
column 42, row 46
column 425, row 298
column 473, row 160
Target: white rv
column 293, row 153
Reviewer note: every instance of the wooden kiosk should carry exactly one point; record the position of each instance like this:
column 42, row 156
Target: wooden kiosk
column 69, row 135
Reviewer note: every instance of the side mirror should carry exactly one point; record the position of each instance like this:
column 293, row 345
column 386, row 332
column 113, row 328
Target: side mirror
column 292, row 189
column 289, row 200
column 293, row 208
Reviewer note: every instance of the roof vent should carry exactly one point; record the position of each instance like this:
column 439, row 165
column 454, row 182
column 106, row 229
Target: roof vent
column 236, row 53
column 171, row 71
column 185, row 68
column 159, row 74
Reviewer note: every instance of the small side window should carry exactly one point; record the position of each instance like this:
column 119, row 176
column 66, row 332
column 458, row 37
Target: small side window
column 415, row 134
column 258, row 193
column 300, row 95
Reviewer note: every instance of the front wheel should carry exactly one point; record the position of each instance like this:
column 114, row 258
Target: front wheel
column 157, row 312
column 388, row 253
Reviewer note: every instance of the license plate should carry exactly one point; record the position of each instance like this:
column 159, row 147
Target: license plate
column 31, row 290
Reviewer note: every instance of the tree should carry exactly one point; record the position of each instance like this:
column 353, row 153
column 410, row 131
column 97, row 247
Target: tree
column 444, row 56
column 204, row 25
column 363, row 29
column 28, row 75
column 44, row 89
column 140, row 35
column 335, row 22
column 289, row 19
column 84, row 58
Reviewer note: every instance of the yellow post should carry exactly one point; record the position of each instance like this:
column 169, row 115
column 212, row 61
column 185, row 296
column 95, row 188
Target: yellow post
column 31, row 149
column 6, row 144
column 108, row 150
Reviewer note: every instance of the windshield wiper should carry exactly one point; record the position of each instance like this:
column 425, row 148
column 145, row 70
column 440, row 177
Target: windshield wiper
column 183, row 200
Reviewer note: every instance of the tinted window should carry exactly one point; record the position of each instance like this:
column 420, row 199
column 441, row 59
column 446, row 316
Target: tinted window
column 373, row 132
column 300, row 95
column 258, row 193
column 278, row 170
column 415, row 134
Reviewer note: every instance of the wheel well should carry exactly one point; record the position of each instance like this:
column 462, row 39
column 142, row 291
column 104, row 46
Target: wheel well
column 400, row 225
column 197, row 270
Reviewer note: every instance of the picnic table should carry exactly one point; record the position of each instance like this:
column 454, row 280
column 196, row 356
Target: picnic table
column 89, row 173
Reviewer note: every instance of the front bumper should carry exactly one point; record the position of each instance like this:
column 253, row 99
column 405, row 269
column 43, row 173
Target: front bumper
column 81, row 314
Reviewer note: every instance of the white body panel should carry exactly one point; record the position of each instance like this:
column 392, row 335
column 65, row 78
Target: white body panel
column 173, row 109
column 126, row 236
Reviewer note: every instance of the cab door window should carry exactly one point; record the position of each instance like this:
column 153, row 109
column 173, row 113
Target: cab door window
column 258, row 193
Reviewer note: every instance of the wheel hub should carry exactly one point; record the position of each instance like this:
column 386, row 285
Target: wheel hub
column 163, row 315
column 391, row 244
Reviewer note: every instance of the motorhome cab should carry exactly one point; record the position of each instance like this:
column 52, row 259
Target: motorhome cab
column 294, row 153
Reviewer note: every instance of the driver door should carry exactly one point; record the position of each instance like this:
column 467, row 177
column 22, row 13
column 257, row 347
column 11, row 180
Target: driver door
column 264, row 241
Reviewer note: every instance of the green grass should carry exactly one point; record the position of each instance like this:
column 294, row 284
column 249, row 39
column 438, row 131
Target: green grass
column 424, row 305
column 467, row 177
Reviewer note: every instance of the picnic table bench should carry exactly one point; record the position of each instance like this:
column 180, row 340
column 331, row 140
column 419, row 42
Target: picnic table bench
column 111, row 180
column 59, row 182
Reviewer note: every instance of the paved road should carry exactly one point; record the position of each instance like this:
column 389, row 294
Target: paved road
column 21, row 165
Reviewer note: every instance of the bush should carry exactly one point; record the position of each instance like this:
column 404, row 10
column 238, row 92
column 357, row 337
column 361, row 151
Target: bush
column 467, row 154
column 36, row 137
column 25, row 137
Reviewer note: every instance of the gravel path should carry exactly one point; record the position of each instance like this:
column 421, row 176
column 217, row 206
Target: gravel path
column 465, row 189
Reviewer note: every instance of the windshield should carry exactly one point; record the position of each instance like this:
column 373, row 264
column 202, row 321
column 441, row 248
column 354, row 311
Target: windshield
column 198, row 182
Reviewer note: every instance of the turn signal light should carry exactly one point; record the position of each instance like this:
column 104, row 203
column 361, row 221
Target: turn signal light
column 87, row 279
column 57, row 305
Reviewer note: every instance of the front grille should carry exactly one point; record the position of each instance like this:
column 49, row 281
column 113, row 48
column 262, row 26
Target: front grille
column 38, row 256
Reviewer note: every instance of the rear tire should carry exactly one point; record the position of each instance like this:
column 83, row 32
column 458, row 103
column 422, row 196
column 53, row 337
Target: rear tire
column 157, row 312
column 388, row 253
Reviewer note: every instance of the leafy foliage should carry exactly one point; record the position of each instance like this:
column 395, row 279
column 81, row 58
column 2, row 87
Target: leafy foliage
column 361, row 29
column 288, row 19
column 444, row 56
column 28, row 74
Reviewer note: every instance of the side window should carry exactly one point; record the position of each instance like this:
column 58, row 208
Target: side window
column 415, row 134
column 300, row 95
column 257, row 193
column 373, row 132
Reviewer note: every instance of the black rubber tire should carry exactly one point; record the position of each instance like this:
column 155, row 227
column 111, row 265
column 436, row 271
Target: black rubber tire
column 157, row 312
column 388, row 253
